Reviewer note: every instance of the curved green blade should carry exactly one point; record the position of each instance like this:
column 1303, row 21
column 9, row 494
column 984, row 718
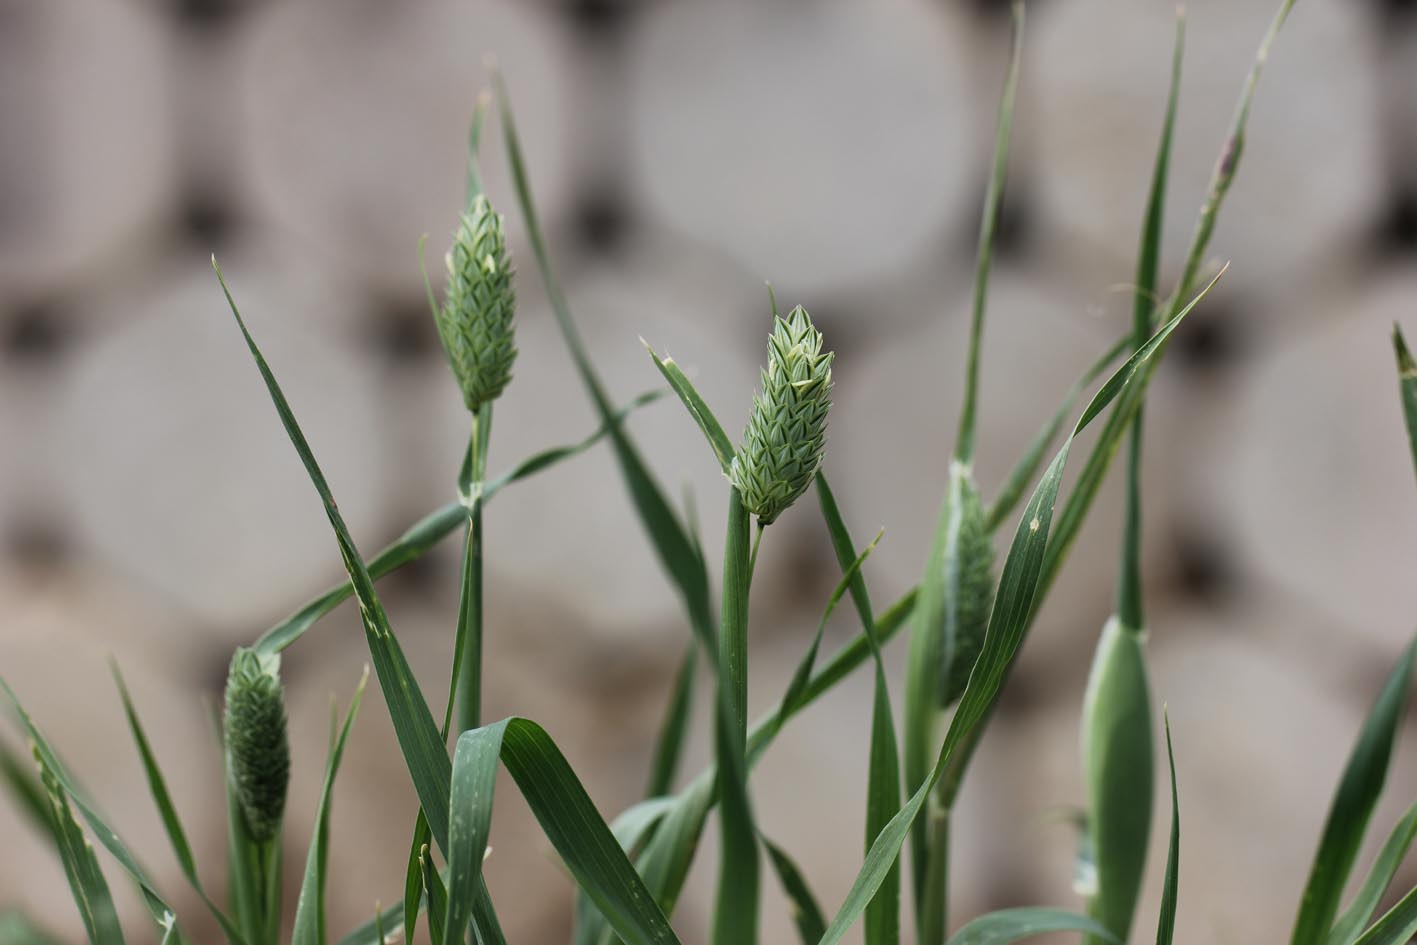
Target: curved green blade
column 86, row 881
column 172, row 824
column 1117, row 767
column 1352, row 806
column 1407, row 386
column 1397, row 926
column 1350, row 925
column 1012, row 925
column 162, row 914
column 806, row 913
column 1166, row 923
column 310, row 906
column 567, row 816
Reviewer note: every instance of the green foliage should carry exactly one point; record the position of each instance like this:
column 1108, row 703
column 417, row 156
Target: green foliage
column 1352, row 806
column 968, row 622
column 1117, row 760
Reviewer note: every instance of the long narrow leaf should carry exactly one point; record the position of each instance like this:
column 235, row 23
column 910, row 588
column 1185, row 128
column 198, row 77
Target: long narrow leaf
column 567, row 816
column 1031, row 461
column 674, row 730
column 413, row 894
column 806, row 913
column 1352, row 806
column 1397, row 926
column 86, row 881
column 1350, row 925
column 935, row 639
column 157, row 786
column 162, row 914
column 386, row 924
column 1166, row 923
column 423, row 748
column 437, row 895
column 1129, row 604
column 1226, row 166
column 24, row 787
column 1012, row 925
column 1089, row 480
column 698, row 408
column 676, row 550
column 665, row 861
column 882, row 921
column 988, row 224
column 310, row 906
column 1117, row 746
column 1117, row 767
column 1407, row 386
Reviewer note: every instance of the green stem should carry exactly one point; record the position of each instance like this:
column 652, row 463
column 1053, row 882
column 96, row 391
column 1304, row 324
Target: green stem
column 467, row 658
column 753, row 556
column 733, row 625
column 935, row 903
column 736, row 907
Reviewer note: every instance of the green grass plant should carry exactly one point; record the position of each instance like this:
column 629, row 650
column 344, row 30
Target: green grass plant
column 965, row 620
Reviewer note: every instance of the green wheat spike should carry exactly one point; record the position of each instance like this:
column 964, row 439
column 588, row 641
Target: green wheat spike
column 475, row 319
column 786, row 434
column 256, row 740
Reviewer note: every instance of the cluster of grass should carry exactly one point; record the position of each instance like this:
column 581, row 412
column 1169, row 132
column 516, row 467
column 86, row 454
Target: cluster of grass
column 965, row 621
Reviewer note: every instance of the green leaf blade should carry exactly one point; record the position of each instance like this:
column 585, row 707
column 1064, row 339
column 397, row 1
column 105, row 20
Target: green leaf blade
column 162, row 914
column 1166, row 922
column 698, row 408
column 1012, row 925
column 1407, row 387
column 1350, row 925
column 882, row 920
column 1117, row 760
column 86, row 881
column 568, row 818
column 309, row 928
column 806, row 913
column 1352, row 806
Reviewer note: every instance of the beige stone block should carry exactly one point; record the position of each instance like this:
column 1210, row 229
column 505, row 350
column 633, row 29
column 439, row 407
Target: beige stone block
column 1100, row 101
column 1314, row 474
column 88, row 156
column 357, row 119
column 818, row 146
column 54, row 652
column 173, row 460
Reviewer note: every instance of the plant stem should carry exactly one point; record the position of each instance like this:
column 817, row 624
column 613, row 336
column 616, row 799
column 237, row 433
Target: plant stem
column 735, row 917
column 733, row 625
column 469, row 645
column 935, row 903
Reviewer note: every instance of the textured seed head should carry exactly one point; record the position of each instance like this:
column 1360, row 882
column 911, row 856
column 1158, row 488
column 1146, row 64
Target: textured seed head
column 475, row 321
column 786, row 435
column 976, row 594
column 257, row 747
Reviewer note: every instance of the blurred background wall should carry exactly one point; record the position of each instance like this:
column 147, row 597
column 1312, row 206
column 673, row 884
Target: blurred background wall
column 682, row 153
